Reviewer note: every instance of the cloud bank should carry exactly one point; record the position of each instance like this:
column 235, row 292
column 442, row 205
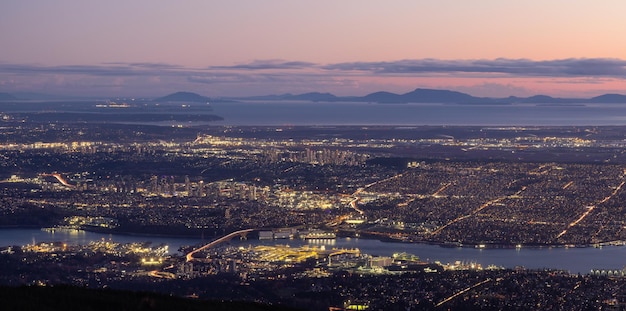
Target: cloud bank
column 261, row 77
column 574, row 67
column 517, row 67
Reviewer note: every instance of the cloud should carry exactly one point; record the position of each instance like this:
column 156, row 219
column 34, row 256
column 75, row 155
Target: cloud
column 269, row 69
column 221, row 78
column 70, row 69
column 156, row 66
column 107, row 69
column 573, row 67
column 268, row 65
column 276, row 76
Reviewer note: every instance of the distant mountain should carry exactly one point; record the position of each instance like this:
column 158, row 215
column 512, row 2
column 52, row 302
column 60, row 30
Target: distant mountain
column 543, row 99
column 437, row 96
column 183, row 97
column 538, row 99
column 417, row 96
column 420, row 95
column 609, row 99
column 7, row 96
column 381, row 97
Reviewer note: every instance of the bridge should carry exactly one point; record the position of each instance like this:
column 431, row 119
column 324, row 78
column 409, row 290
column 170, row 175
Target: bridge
column 60, row 179
column 228, row 237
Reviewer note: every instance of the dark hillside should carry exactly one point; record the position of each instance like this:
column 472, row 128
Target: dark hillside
column 76, row 298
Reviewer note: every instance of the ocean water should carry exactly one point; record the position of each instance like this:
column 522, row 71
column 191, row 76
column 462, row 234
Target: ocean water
column 324, row 113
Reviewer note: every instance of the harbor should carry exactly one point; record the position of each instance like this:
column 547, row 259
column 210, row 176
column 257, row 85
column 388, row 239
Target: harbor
column 610, row 257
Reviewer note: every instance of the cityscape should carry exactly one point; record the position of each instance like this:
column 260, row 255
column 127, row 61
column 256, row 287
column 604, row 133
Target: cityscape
column 312, row 155
column 275, row 214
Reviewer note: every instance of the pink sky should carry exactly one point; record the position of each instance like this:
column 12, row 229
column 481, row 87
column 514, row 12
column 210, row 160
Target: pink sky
column 239, row 48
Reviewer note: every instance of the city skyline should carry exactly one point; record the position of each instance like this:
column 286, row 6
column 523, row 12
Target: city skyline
column 487, row 48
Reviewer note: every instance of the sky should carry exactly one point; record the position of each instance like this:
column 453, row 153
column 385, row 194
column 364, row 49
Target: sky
column 150, row 48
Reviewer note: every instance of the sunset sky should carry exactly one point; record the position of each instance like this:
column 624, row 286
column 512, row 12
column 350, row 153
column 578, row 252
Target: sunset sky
column 565, row 48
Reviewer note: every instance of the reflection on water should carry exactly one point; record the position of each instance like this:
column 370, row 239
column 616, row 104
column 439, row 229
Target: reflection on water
column 575, row 260
column 327, row 242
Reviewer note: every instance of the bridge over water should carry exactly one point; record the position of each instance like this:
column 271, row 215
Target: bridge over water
column 228, row 237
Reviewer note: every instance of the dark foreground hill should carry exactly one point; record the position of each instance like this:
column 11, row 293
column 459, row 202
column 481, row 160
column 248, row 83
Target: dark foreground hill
column 77, row 298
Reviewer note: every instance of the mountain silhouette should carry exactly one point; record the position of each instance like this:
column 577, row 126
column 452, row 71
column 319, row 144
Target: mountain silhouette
column 418, row 95
column 381, row 97
column 609, row 98
column 439, row 96
column 183, row 97
column 436, row 96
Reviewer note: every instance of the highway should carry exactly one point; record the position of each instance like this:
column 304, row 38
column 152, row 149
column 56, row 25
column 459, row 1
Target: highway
column 353, row 203
column 355, row 199
column 568, row 185
column 225, row 238
column 463, row 292
column 444, row 187
column 479, row 209
column 591, row 208
column 60, row 179
column 453, row 221
column 162, row 275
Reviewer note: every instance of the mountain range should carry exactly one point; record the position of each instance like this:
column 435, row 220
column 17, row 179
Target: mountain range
column 439, row 96
column 418, row 95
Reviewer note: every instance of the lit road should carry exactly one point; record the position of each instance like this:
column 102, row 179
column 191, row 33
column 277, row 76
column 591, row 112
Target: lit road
column 591, row 208
column 453, row 221
column 218, row 241
column 570, row 292
column 444, row 187
column 353, row 203
column 463, row 292
column 355, row 206
column 161, row 275
column 476, row 211
column 538, row 171
column 60, row 179
column 568, row 185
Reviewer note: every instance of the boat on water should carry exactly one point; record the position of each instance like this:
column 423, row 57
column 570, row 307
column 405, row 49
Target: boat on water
column 317, row 234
